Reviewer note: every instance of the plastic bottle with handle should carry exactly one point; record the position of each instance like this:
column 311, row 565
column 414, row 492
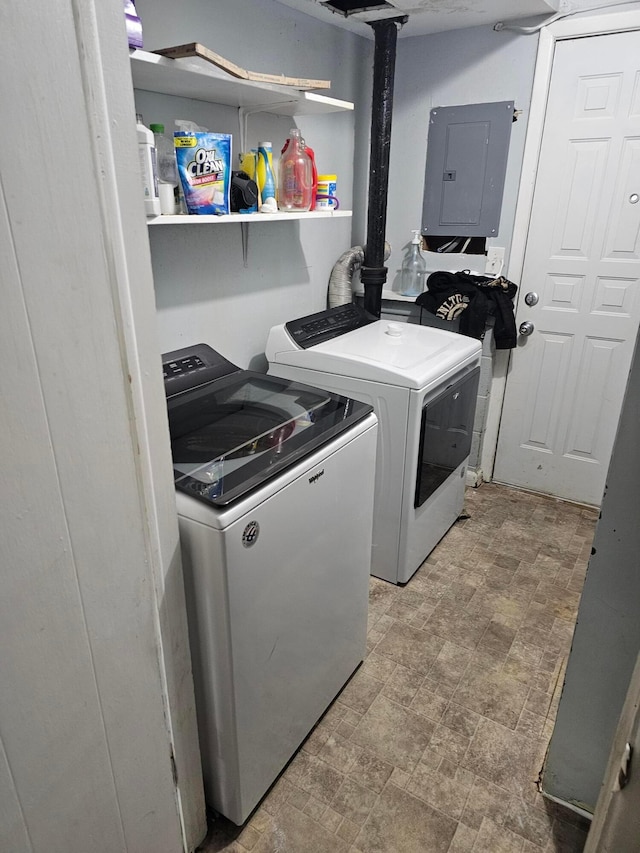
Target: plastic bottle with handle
column 296, row 175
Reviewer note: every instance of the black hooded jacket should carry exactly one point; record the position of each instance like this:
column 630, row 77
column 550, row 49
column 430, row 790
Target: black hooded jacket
column 472, row 298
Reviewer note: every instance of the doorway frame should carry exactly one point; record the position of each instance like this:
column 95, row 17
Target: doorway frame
column 566, row 28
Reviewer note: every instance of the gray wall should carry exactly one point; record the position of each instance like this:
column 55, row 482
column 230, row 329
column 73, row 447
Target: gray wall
column 468, row 66
column 606, row 641
column 203, row 291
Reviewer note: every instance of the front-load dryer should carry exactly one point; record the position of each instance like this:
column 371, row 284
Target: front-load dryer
column 422, row 383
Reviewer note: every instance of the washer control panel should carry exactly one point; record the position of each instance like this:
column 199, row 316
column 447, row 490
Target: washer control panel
column 189, row 367
column 182, row 365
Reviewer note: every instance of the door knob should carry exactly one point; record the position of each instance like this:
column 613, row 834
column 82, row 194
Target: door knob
column 531, row 298
column 526, row 328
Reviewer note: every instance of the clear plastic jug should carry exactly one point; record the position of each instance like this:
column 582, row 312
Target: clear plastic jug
column 295, row 190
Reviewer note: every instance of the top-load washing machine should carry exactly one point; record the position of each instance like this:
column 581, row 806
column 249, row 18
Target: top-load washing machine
column 422, row 383
column 276, row 570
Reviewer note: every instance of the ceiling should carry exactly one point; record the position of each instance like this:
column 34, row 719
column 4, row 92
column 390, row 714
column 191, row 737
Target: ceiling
column 431, row 16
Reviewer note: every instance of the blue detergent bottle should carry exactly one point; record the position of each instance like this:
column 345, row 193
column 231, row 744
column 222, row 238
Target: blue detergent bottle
column 265, row 178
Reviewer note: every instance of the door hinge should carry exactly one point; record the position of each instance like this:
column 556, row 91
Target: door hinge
column 624, row 771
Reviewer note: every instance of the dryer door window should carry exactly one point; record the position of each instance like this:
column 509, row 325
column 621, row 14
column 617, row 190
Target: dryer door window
column 445, row 434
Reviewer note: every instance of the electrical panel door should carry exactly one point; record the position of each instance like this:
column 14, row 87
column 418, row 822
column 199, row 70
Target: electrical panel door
column 466, row 162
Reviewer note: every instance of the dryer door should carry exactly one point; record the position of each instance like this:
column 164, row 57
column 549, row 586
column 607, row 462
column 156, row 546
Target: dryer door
column 445, row 434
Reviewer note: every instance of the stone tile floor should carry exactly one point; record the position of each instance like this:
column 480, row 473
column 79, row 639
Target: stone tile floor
column 436, row 743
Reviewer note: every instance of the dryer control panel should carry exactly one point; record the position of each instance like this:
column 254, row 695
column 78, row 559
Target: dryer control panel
column 325, row 325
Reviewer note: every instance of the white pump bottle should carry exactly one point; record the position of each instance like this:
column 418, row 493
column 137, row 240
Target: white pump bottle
column 414, row 268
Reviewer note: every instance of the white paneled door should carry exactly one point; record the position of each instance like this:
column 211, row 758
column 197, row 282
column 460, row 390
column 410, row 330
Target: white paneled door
column 567, row 377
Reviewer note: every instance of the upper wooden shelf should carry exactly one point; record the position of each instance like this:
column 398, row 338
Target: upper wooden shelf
column 198, row 79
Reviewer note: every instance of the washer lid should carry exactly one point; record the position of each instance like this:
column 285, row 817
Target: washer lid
column 396, row 353
column 231, row 435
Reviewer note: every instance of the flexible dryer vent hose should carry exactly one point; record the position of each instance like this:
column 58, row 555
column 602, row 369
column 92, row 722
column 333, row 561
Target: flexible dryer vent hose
column 340, row 289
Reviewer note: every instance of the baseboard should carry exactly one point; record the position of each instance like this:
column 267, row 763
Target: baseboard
column 572, row 807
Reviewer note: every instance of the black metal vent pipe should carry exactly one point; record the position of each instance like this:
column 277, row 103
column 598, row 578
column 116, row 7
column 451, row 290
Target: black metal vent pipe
column 373, row 274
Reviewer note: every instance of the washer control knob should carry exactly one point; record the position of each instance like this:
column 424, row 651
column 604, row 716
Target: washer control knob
column 394, row 329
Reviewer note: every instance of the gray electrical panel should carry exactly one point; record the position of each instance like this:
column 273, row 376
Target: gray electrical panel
column 466, row 162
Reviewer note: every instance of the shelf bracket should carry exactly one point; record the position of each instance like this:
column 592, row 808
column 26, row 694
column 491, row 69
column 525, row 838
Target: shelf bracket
column 245, row 112
column 244, row 230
